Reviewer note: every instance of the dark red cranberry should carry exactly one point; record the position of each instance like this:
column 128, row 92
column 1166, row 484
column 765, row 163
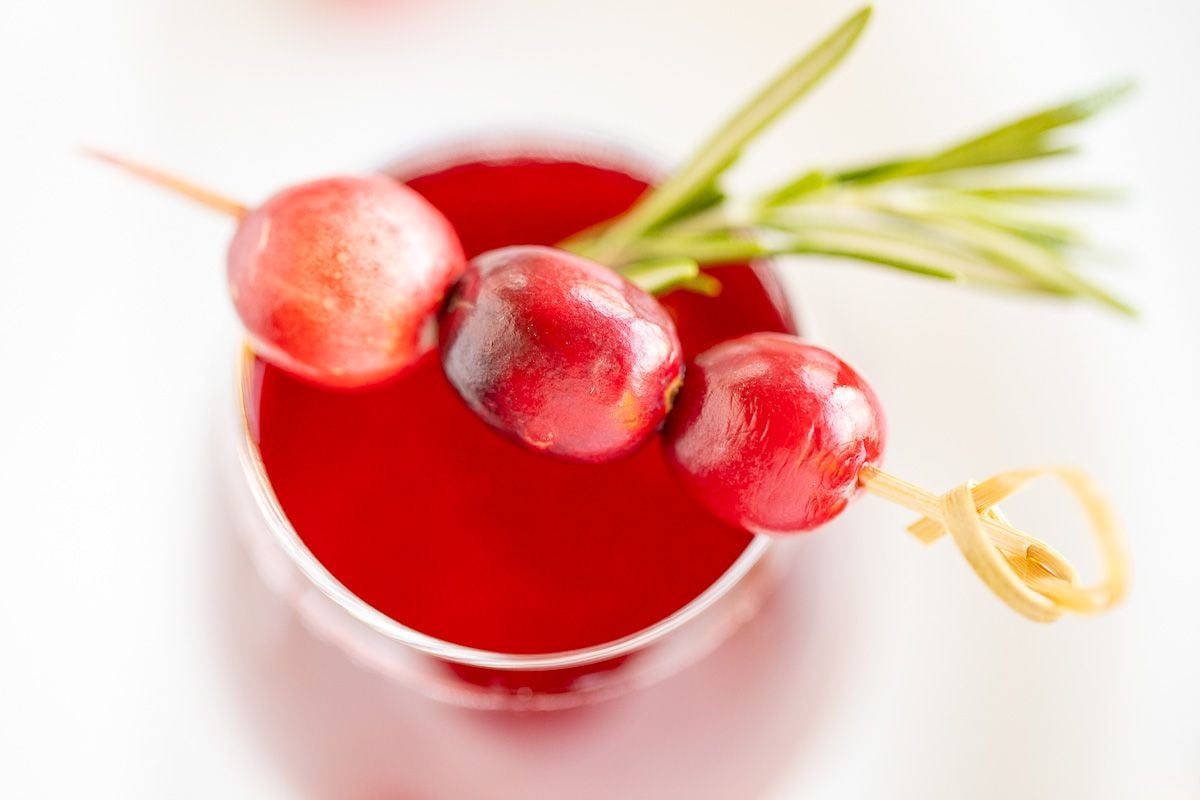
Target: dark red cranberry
column 560, row 353
column 770, row 433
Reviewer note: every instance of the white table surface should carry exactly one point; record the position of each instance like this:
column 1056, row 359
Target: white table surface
column 116, row 338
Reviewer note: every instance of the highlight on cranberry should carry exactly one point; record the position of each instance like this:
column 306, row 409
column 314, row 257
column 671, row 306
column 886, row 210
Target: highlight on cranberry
column 338, row 280
column 560, row 353
column 770, row 433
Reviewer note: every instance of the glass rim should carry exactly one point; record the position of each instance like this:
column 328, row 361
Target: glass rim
column 509, row 142
column 493, row 145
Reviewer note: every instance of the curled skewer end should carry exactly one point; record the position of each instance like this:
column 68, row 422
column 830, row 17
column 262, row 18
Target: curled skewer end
column 1023, row 571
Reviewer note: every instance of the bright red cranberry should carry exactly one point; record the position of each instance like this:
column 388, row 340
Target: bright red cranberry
column 338, row 280
column 560, row 353
column 770, row 433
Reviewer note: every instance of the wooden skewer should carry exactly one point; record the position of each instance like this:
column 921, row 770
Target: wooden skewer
column 174, row 183
column 1025, row 572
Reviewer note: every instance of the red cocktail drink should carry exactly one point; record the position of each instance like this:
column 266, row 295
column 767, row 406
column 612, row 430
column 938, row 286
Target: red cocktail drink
column 413, row 565
column 430, row 518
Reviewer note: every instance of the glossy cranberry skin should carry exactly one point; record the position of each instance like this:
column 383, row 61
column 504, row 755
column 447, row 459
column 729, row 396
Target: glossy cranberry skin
column 337, row 281
column 770, row 433
column 560, row 353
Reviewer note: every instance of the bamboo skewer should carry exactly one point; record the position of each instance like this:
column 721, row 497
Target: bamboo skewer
column 171, row 182
column 1023, row 571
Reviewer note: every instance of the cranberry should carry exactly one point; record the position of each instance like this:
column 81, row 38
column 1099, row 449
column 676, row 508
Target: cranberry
column 560, row 353
column 770, row 433
column 338, row 280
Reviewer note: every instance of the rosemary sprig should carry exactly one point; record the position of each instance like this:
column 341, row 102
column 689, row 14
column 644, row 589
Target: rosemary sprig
column 950, row 214
column 692, row 186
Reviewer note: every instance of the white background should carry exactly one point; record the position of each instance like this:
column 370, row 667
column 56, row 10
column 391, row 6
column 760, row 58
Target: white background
column 116, row 341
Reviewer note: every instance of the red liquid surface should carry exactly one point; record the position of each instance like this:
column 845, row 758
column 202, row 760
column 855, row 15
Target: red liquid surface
column 433, row 519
